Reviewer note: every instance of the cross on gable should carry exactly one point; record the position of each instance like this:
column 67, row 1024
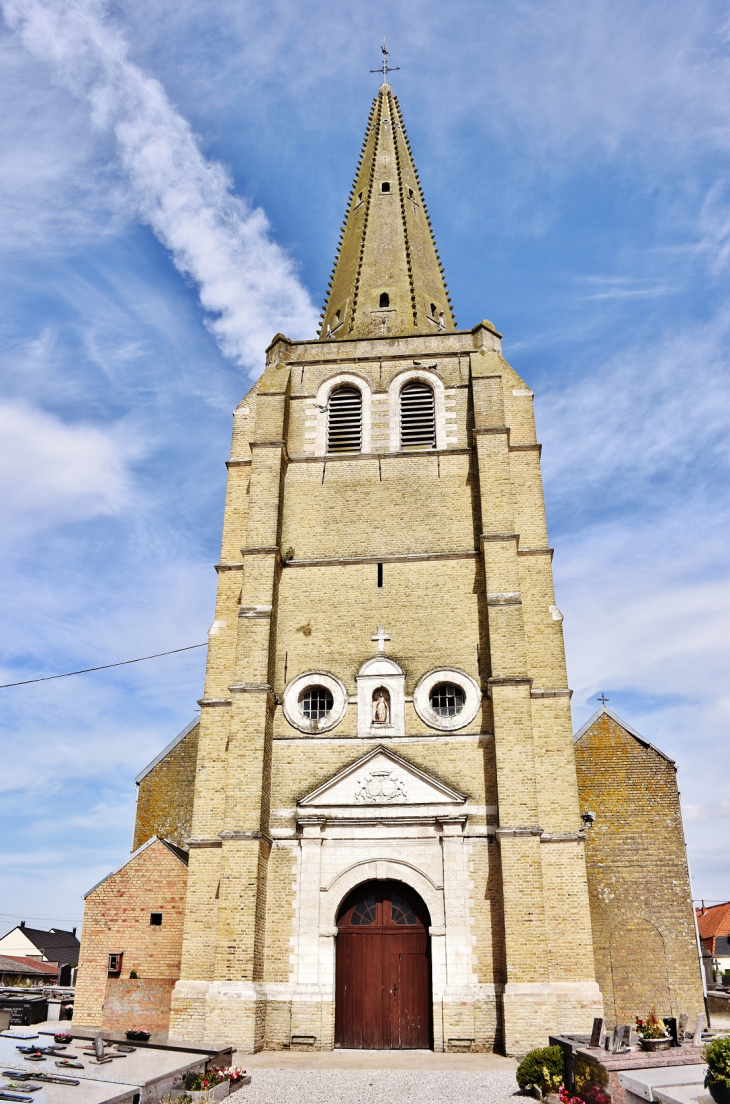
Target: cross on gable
column 381, row 636
column 603, row 699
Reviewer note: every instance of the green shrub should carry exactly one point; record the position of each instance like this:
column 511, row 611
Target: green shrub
column 717, row 1056
column 542, row 1068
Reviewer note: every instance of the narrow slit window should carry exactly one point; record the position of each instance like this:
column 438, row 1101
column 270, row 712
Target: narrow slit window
column 380, row 574
column 417, row 416
column 385, row 186
column 384, row 299
column 344, row 428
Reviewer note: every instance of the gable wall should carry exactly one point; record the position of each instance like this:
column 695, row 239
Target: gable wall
column 17, row 944
column 165, row 795
column 117, row 918
column 641, row 909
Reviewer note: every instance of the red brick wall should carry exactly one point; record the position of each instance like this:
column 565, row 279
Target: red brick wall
column 117, row 918
column 144, row 1003
column 641, row 908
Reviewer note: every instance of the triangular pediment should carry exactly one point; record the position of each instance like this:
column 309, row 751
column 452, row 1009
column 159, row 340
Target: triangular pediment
column 382, row 778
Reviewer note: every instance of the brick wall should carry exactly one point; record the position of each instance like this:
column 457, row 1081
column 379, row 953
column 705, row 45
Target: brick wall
column 165, row 796
column 117, row 919
column 641, row 909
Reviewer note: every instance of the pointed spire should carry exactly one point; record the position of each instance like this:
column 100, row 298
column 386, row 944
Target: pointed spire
column 387, row 279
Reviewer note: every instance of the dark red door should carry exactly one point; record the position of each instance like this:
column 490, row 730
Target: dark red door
column 383, row 990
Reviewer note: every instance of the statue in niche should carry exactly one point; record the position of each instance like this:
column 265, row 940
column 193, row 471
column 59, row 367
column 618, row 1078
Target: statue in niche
column 381, row 707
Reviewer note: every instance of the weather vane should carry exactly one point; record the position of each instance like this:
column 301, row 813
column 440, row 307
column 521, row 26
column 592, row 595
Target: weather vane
column 385, row 68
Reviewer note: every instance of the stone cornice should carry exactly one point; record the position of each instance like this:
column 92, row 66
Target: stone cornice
column 209, row 702
column 507, row 598
column 405, row 557
column 510, row 680
column 337, row 457
column 244, row 834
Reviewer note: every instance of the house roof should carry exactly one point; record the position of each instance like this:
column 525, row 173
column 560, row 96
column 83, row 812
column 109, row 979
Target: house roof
column 626, row 727
column 166, row 750
column 28, row 967
column 56, row 945
column 715, row 920
column 177, row 851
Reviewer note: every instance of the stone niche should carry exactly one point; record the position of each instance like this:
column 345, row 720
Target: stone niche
column 381, row 698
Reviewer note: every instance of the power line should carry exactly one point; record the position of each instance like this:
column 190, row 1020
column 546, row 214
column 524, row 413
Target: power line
column 27, row 916
column 104, row 667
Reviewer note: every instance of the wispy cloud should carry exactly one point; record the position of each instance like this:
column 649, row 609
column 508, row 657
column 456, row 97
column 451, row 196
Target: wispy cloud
column 623, row 287
column 52, row 471
column 247, row 283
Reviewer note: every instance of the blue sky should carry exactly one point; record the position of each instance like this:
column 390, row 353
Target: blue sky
column 172, row 182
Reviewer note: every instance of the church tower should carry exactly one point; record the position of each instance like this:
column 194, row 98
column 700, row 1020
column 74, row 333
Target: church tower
column 386, row 845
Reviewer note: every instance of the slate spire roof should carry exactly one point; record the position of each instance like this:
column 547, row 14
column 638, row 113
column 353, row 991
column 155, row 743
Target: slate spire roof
column 387, row 278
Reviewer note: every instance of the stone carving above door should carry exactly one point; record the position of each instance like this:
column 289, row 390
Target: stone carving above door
column 381, row 778
column 380, row 785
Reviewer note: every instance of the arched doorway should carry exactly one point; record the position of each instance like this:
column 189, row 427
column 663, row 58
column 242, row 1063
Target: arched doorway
column 383, row 982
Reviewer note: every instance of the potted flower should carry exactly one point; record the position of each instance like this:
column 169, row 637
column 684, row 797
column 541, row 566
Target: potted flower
column 652, row 1033
column 717, row 1078
column 62, row 1037
column 138, row 1035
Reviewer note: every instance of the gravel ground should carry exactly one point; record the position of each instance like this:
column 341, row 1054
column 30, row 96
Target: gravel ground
column 299, row 1086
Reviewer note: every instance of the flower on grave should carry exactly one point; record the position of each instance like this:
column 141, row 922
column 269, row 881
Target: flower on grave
column 566, row 1098
column 233, row 1074
column 652, row 1027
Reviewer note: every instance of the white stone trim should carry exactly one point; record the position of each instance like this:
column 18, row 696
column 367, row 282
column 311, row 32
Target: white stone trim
column 396, row 386
column 422, row 702
column 319, row 415
column 294, row 691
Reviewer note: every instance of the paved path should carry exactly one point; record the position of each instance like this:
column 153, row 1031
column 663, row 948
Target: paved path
column 378, row 1077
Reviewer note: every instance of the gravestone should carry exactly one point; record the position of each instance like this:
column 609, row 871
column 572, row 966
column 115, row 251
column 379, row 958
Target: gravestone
column 697, row 1040
column 597, row 1032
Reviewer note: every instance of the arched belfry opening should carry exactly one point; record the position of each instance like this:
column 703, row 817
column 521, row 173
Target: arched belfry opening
column 383, row 974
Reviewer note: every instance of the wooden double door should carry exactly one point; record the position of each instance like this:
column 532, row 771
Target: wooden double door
column 383, row 982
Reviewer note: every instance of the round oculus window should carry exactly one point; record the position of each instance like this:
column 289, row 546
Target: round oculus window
column 447, row 700
column 316, row 703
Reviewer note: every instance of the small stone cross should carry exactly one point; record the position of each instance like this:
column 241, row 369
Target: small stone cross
column 381, row 636
column 603, row 699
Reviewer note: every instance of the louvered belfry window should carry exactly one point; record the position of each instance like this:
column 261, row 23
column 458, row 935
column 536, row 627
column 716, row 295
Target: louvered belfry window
column 344, row 425
column 417, row 416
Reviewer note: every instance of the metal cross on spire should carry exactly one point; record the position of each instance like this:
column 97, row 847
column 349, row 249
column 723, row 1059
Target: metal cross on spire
column 385, row 68
column 603, row 699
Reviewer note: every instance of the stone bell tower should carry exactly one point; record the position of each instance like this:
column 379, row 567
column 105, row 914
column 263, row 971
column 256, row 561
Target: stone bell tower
column 387, row 846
